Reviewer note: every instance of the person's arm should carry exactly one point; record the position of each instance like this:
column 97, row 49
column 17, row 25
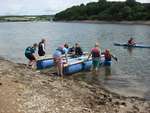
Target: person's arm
column 115, row 58
column 89, row 56
column 66, row 57
column 81, row 52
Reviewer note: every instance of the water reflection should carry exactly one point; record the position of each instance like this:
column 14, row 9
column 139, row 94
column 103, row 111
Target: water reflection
column 107, row 72
column 130, row 50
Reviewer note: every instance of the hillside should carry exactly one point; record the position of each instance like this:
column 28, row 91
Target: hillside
column 107, row 11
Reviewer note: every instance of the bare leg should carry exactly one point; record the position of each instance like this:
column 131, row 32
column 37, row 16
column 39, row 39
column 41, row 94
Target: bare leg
column 57, row 67
column 61, row 69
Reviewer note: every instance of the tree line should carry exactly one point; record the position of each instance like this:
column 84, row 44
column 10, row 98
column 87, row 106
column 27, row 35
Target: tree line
column 103, row 10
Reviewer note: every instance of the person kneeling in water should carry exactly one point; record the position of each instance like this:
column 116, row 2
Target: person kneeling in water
column 29, row 54
column 58, row 60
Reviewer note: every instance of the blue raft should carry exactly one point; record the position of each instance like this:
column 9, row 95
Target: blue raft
column 134, row 46
column 74, row 65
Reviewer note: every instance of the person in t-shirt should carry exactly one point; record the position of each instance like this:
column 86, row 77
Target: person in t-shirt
column 58, row 60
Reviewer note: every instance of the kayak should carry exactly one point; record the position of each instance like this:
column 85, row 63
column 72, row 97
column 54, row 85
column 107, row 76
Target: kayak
column 135, row 46
column 74, row 65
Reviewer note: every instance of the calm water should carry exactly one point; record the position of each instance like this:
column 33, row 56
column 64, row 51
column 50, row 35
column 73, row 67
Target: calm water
column 130, row 76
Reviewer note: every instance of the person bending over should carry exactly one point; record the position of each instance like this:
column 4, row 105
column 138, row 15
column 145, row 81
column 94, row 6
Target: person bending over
column 29, row 54
column 58, row 59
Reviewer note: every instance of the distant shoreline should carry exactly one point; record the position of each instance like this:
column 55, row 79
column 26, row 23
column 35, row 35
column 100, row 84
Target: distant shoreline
column 88, row 22
column 109, row 22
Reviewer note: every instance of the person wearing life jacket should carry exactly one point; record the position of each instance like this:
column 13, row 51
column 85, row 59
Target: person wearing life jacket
column 108, row 56
column 131, row 42
column 58, row 60
column 29, row 54
column 41, row 47
column 96, row 56
column 78, row 50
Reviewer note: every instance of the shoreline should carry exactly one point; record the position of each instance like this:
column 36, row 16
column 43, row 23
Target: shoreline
column 109, row 22
column 92, row 22
column 27, row 91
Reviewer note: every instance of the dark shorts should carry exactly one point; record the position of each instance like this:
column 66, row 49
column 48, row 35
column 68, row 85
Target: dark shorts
column 30, row 57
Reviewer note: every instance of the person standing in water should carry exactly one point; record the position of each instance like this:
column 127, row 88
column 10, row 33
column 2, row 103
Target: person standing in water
column 41, row 48
column 58, row 60
column 108, row 56
column 29, row 54
column 96, row 56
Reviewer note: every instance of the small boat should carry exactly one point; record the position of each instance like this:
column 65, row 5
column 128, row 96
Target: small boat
column 46, row 61
column 135, row 46
column 82, row 64
column 74, row 65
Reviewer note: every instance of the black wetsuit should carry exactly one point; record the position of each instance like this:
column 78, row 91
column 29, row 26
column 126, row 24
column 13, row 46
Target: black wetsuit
column 78, row 51
column 41, row 48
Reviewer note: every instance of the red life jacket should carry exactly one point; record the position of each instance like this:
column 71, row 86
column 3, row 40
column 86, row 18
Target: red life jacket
column 130, row 42
column 95, row 52
column 107, row 55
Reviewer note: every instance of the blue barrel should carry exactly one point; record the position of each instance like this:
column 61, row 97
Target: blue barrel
column 43, row 64
column 73, row 68
column 87, row 65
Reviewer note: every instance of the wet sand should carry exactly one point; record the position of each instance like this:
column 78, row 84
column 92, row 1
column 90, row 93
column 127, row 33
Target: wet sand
column 26, row 91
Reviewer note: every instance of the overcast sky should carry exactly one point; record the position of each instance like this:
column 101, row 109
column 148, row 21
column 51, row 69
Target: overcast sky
column 29, row 7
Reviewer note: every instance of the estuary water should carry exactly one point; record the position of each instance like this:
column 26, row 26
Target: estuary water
column 129, row 76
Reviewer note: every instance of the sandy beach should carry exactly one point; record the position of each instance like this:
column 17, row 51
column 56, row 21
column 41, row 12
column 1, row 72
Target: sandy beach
column 26, row 91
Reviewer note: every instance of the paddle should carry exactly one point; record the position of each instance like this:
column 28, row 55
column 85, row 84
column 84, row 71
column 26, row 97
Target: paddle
column 115, row 58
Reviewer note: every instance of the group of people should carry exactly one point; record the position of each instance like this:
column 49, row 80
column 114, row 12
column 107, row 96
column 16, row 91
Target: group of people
column 30, row 52
column 63, row 51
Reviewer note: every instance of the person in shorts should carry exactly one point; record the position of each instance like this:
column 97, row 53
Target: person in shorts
column 58, row 60
column 96, row 56
column 29, row 54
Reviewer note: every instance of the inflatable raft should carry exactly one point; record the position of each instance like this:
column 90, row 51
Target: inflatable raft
column 135, row 46
column 81, row 64
column 74, row 65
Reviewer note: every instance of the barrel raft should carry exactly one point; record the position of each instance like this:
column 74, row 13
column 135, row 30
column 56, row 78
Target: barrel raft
column 74, row 65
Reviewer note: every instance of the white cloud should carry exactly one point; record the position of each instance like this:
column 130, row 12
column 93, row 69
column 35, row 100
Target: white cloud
column 16, row 7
